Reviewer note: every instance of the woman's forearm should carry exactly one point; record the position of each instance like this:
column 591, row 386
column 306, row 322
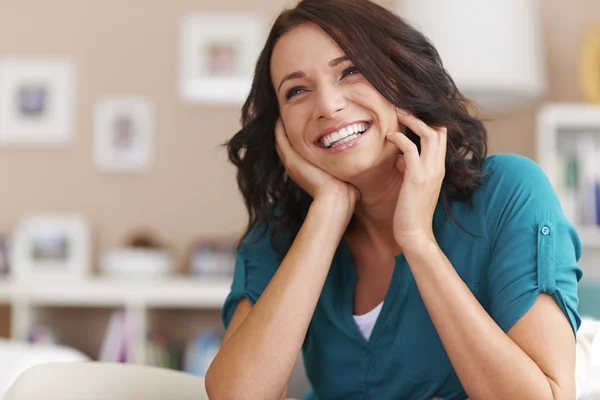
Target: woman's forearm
column 257, row 360
column 488, row 363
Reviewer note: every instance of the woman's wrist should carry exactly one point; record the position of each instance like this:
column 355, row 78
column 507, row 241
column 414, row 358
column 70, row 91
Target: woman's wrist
column 419, row 246
column 334, row 206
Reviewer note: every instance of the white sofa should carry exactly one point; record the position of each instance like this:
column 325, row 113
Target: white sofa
column 100, row 381
column 17, row 357
column 105, row 381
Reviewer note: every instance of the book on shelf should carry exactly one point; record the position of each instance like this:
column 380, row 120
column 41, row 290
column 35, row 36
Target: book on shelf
column 114, row 345
column 162, row 353
column 201, row 351
column 578, row 180
column 119, row 343
column 157, row 350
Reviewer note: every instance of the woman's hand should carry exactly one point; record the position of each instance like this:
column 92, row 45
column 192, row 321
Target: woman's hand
column 422, row 176
column 316, row 182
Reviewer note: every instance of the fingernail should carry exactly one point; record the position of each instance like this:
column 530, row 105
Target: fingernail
column 401, row 111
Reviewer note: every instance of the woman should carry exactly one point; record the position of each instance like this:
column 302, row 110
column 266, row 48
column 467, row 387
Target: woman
column 382, row 242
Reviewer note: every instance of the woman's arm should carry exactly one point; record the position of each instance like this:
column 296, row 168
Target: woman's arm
column 242, row 310
column 536, row 360
column 256, row 360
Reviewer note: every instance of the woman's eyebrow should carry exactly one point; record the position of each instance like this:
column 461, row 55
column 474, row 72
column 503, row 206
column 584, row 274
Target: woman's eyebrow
column 337, row 61
column 299, row 74
column 293, row 75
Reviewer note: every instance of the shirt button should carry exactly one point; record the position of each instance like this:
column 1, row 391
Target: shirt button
column 545, row 231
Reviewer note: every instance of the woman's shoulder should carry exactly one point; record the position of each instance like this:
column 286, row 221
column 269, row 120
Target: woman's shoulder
column 260, row 240
column 515, row 190
column 506, row 176
column 514, row 166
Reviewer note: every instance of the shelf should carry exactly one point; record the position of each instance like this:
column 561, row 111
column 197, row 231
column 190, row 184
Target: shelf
column 177, row 293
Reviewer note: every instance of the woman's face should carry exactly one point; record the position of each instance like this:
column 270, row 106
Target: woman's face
column 332, row 115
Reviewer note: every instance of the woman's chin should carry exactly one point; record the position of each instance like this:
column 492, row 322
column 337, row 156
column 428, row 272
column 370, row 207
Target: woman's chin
column 372, row 168
column 355, row 173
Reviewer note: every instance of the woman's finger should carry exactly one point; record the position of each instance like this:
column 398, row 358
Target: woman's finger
column 401, row 167
column 408, row 148
column 429, row 136
column 401, row 164
column 443, row 135
column 419, row 127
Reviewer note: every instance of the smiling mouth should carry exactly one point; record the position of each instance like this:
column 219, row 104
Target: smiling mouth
column 344, row 135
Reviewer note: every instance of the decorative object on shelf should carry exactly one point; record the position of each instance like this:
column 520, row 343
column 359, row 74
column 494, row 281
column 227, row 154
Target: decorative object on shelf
column 497, row 64
column 51, row 247
column 160, row 352
column 200, row 352
column 568, row 150
column 36, row 101
column 5, row 248
column 217, row 53
column 590, row 66
column 123, row 135
column 142, row 257
column 212, row 258
column 42, row 334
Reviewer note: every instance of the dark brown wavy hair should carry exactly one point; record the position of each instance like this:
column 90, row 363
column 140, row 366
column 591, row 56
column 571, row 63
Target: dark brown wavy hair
column 399, row 62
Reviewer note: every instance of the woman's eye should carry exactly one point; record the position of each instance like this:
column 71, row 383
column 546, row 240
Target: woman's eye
column 350, row 71
column 293, row 92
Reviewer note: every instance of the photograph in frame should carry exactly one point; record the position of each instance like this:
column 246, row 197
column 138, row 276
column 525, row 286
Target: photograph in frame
column 37, row 99
column 123, row 135
column 48, row 247
column 217, row 54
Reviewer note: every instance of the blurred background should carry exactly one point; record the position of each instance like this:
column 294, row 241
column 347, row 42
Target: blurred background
column 118, row 208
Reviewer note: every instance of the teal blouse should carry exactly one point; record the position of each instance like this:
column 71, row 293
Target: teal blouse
column 519, row 245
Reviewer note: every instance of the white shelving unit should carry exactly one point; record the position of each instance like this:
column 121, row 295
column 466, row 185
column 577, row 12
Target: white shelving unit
column 556, row 120
column 92, row 301
column 181, row 293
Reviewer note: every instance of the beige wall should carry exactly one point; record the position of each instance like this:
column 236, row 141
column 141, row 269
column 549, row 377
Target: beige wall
column 565, row 23
column 129, row 48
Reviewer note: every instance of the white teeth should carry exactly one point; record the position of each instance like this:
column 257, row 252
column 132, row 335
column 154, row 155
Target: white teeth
column 344, row 135
column 345, row 140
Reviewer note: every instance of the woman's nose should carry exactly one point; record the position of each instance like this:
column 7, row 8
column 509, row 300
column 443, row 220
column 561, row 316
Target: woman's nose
column 329, row 102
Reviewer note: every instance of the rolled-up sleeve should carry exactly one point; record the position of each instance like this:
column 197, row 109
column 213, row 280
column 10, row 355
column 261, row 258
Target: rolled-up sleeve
column 256, row 263
column 534, row 248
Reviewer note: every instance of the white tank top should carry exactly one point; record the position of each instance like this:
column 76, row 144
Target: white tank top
column 366, row 322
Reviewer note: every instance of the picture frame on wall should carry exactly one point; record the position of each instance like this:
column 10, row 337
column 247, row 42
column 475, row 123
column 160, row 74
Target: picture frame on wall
column 123, row 135
column 217, row 55
column 51, row 247
column 37, row 97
